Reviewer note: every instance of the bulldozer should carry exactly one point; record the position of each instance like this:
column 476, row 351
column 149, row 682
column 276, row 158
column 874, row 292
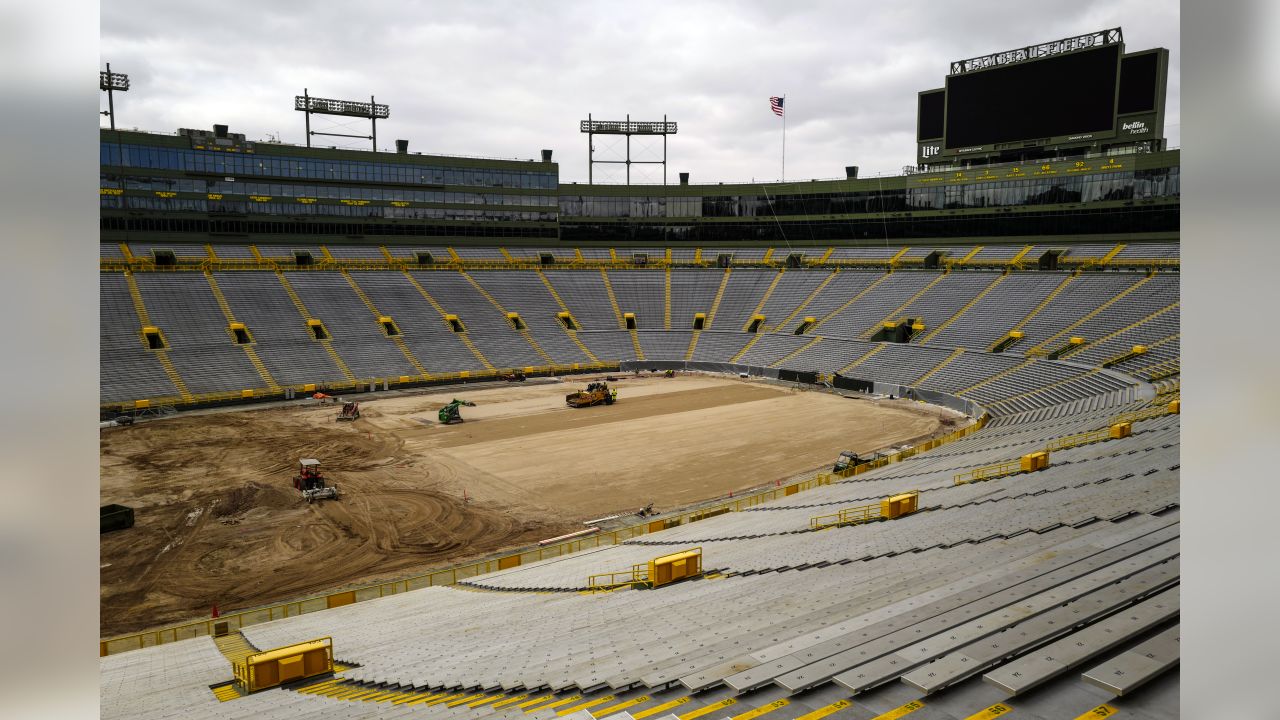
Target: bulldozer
column 513, row 376
column 310, row 481
column 350, row 411
column 595, row 394
column 449, row 414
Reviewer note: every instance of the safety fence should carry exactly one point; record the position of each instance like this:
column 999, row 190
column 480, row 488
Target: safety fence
column 290, row 392
column 458, row 573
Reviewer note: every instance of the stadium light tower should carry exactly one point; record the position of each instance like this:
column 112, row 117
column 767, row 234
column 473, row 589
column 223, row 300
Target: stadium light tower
column 112, row 82
column 628, row 128
column 305, row 103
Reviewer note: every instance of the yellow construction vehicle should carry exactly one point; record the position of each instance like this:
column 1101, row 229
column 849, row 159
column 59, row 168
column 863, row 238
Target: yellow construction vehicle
column 595, row 394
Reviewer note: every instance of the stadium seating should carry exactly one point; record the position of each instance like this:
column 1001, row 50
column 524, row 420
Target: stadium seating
column 992, row 590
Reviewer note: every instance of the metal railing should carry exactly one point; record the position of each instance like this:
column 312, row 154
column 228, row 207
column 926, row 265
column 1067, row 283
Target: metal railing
column 847, row 516
column 637, row 575
column 1079, row 439
column 988, row 472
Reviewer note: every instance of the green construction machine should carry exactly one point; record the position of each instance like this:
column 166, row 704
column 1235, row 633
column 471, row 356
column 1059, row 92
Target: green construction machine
column 449, row 414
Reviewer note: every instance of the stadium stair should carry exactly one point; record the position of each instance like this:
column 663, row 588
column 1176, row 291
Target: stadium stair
column 249, row 352
column 945, row 362
column 1092, row 314
column 1036, row 310
column 998, row 376
column 573, row 334
column 754, row 339
column 666, row 296
column 969, row 256
column 466, row 341
column 386, row 253
column 613, row 299
column 850, row 301
column 327, row 343
column 866, row 335
column 1111, row 255
column 797, row 351
column 1125, row 329
column 524, row 332
column 715, row 302
column 161, row 354
column 399, row 341
column 782, row 326
column 1043, row 389
column 1016, row 260
column 967, row 306
column 764, row 299
column 862, row 359
column 635, row 343
column 208, row 248
column 693, row 345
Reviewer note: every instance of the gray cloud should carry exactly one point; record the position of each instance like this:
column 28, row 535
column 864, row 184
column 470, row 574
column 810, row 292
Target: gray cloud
column 507, row 78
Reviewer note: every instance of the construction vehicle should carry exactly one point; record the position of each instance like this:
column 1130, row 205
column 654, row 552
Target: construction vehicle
column 350, row 411
column 513, row 376
column 449, row 414
column 847, row 459
column 310, row 481
column 595, row 394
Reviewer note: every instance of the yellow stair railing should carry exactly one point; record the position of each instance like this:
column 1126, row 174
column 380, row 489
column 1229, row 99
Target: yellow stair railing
column 635, row 343
column 998, row 376
column 1016, row 260
column 945, row 362
column 715, row 302
column 524, row 332
column 797, row 351
column 754, row 339
column 326, row 343
column 161, row 354
column 1094, row 313
column 666, row 296
column 693, row 345
column 573, row 334
column 902, row 308
column 1043, row 389
column 399, row 341
column 1036, row 310
column 462, row 336
column 850, row 301
column 967, row 307
column 613, row 299
column 249, row 351
column 782, row 326
column 1111, row 255
column 764, row 299
column 863, row 359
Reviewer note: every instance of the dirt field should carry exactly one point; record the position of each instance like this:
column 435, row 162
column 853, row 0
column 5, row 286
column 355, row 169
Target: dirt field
column 218, row 520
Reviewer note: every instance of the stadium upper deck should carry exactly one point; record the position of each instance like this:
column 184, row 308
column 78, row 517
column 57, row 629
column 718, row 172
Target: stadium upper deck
column 179, row 188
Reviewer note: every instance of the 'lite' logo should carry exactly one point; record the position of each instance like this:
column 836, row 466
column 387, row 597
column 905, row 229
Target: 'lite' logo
column 928, row 151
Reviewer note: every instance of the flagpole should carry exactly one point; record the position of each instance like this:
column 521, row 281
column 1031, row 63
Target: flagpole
column 784, row 137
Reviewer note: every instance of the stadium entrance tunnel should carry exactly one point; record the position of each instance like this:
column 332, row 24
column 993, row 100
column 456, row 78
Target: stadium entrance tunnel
column 805, row 325
column 515, row 321
column 567, row 321
column 164, row 258
column 302, row 258
column 898, row 331
column 630, row 319
column 239, row 333
column 424, row 258
column 389, row 327
column 699, row 320
column 153, row 338
column 318, row 331
column 455, row 324
column 756, row 322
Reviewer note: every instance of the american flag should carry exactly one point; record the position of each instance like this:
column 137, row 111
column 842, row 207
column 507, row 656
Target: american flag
column 776, row 104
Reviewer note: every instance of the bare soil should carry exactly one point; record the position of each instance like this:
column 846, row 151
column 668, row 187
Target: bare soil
column 218, row 521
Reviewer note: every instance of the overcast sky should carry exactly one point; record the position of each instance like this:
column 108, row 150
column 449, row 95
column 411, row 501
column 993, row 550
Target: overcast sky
column 505, row 79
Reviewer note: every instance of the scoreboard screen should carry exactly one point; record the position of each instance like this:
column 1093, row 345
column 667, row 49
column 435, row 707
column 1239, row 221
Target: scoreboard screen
column 1062, row 95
